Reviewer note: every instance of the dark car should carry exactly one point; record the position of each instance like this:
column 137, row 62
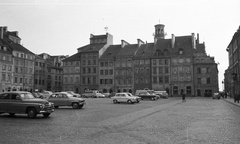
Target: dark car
column 66, row 99
column 146, row 95
column 22, row 102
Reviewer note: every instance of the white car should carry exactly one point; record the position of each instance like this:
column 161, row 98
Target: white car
column 74, row 94
column 124, row 97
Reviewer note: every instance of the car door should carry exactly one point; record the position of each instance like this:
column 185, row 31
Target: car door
column 4, row 102
column 65, row 100
column 15, row 104
column 54, row 99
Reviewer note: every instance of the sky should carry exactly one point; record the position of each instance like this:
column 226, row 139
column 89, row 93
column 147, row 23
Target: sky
column 59, row 27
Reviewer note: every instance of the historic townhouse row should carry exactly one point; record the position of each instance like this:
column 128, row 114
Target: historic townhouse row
column 175, row 65
column 21, row 69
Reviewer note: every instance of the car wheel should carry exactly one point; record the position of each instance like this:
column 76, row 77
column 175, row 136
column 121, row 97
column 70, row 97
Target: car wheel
column 46, row 114
column 152, row 98
column 129, row 101
column 80, row 106
column 11, row 114
column 115, row 101
column 31, row 113
column 75, row 105
column 56, row 107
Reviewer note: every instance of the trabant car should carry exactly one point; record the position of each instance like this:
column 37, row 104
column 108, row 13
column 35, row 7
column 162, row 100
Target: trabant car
column 124, row 97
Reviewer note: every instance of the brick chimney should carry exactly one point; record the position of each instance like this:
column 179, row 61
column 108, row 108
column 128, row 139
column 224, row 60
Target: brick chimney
column 1, row 32
column 124, row 43
column 193, row 41
column 173, row 41
column 139, row 42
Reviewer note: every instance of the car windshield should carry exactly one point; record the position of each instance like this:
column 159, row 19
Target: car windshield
column 129, row 94
column 26, row 96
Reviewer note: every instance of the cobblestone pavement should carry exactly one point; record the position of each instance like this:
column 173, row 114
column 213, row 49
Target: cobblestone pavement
column 166, row 121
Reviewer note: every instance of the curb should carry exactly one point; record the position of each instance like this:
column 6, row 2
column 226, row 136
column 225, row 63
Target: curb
column 232, row 102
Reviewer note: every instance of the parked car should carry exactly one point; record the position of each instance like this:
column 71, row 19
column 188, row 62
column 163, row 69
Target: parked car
column 92, row 94
column 124, row 97
column 22, row 102
column 216, row 96
column 74, row 94
column 146, row 95
column 162, row 94
column 66, row 99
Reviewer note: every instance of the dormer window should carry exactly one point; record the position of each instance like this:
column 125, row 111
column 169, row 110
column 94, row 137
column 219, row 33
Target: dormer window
column 158, row 53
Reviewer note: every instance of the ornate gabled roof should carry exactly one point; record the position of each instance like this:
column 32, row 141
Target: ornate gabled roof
column 111, row 52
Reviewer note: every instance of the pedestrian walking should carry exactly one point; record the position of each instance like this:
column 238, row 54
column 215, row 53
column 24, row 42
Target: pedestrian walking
column 238, row 97
column 183, row 97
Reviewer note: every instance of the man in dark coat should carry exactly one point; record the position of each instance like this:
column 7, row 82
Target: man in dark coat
column 183, row 96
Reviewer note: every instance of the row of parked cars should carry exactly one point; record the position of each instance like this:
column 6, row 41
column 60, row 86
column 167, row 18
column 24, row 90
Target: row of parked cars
column 32, row 104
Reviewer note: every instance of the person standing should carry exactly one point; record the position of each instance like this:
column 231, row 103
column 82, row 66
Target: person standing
column 183, row 96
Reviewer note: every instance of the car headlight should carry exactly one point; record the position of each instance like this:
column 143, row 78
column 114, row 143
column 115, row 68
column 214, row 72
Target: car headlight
column 42, row 106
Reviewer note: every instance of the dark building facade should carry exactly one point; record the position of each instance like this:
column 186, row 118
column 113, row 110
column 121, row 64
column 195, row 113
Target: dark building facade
column 232, row 74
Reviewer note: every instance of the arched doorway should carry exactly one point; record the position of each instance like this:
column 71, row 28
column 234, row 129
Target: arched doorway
column 130, row 90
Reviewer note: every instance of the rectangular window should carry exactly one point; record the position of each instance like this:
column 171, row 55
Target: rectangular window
column 94, row 70
column 160, row 79
column 198, row 70
column 154, row 62
column 136, row 80
column 208, row 81
column 110, row 72
column 101, row 72
column 106, row 72
column 154, row 70
column 15, row 80
column 166, row 70
column 154, row 79
column 199, row 80
column 101, row 64
column 159, row 62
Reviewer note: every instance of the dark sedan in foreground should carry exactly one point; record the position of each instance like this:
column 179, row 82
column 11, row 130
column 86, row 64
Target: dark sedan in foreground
column 22, row 102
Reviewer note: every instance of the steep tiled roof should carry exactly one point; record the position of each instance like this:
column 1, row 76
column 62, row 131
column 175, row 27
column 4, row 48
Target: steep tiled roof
column 162, row 44
column 111, row 52
column 15, row 46
column 3, row 43
column 127, row 50
column 145, row 50
column 92, row 47
column 74, row 57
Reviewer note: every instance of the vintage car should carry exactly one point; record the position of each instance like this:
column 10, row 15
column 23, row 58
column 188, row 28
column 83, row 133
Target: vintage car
column 21, row 102
column 124, row 97
column 66, row 99
column 146, row 95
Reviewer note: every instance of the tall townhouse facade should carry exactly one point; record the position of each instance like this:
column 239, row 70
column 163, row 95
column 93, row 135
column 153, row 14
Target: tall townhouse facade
column 107, row 69
column 53, row 72
column 232, row 79
column 6, row 66
column 71, row 73
column 23, row 61
column 160, row 62
column 89, row 56
column 40, row 69
column 124, row 69
column 142, row 66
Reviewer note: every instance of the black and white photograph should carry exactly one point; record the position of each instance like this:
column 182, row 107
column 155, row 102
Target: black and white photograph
column 119, row 71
